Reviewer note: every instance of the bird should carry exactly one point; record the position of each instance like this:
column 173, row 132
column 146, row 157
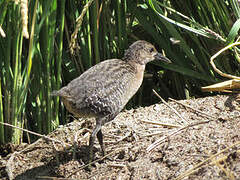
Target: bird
column 104, row 89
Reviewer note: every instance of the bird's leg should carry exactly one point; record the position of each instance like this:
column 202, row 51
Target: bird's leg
column 92, row 139
column 100, row 140
column 97, row 131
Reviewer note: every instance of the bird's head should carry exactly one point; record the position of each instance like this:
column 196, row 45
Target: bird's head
column 142, row 52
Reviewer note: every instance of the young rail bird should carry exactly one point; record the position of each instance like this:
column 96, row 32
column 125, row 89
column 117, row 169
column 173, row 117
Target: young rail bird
column 103, row 90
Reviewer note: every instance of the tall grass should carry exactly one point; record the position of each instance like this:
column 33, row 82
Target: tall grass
column 49, row 43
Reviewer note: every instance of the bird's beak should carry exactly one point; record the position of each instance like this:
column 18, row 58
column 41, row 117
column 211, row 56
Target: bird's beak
column 159, row 56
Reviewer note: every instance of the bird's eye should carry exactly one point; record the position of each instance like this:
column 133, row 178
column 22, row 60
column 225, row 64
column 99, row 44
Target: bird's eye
column 151, row 50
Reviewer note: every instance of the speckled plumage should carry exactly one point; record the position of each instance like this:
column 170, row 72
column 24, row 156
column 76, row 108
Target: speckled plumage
column 103, row 90
column 98, row 91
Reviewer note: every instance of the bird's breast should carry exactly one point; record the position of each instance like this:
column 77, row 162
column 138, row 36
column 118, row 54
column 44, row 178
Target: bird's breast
column 135, row 83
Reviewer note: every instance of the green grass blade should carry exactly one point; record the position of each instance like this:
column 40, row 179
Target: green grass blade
column 233, row 32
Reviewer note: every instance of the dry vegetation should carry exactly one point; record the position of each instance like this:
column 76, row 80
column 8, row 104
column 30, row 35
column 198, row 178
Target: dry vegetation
column 209, row 150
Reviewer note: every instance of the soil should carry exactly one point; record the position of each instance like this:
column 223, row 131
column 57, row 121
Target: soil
column 145, row 143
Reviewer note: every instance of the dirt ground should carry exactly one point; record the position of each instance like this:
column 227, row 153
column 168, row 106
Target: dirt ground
column 144, row 143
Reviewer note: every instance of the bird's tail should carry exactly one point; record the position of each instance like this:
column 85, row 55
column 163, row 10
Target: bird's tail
column 55, row 93
column 62, row 92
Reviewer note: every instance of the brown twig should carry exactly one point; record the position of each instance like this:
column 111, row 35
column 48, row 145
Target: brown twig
column 52, row 178
column 158, row 142
column 174, row 110
column 196, row 110
column 161, row 124
column 37, row 134
column 157, row 133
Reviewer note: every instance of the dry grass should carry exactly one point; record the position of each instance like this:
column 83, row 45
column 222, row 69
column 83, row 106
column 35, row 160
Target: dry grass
column 203, row 151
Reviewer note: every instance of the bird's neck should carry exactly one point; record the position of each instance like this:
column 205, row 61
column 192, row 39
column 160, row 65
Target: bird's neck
column 138, row 68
